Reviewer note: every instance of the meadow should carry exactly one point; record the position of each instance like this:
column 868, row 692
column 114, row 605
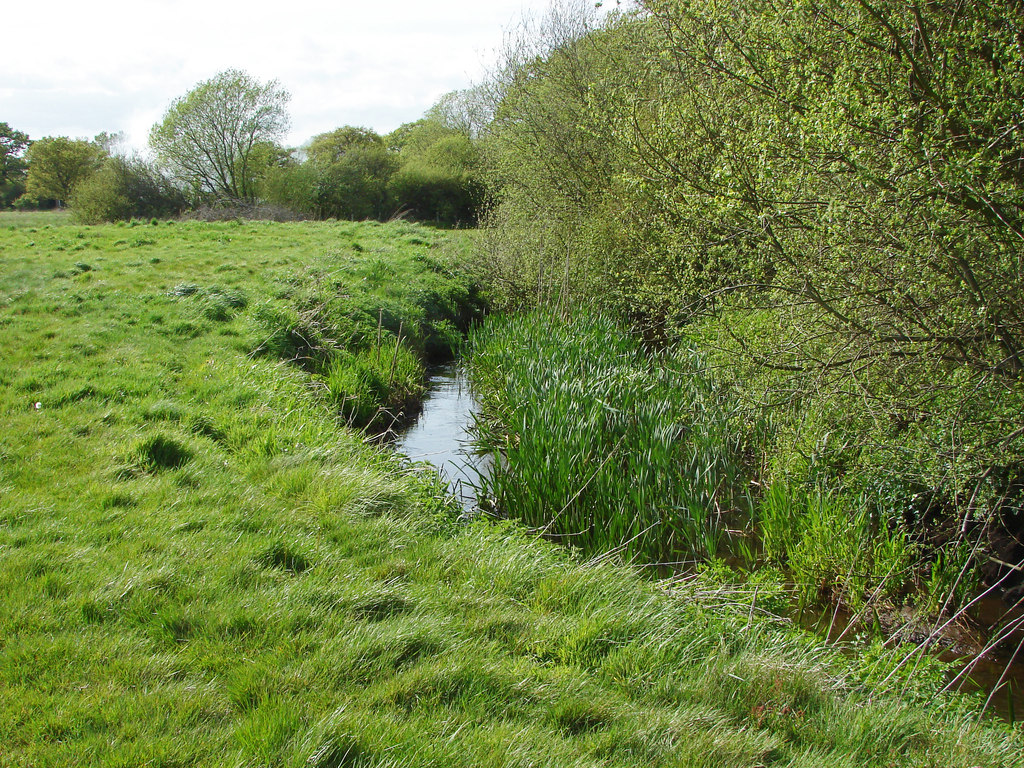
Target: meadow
column 205, row 559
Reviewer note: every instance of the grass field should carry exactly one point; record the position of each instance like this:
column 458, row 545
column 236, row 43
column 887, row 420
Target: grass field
column 201, row 564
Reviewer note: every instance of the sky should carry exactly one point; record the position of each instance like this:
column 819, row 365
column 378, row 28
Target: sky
column 78, row 68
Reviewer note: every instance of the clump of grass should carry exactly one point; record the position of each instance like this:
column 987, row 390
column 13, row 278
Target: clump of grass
column 184, row 289
column 200, row 424
column 602, row 444
column 117, row 499
column 157, row 452
column 831, row 546
column 374, row 387
column 163, row 410
column 215, row 303
column 220, row 305
column 284, row 557
column 75, row 393
column 381, row 606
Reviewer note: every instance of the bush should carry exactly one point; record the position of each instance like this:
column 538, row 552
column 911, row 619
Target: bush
column 434, row 194
column 439, row 178
column 126, row 188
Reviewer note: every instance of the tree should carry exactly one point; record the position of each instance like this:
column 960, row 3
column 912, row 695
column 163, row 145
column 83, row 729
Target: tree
column 327, row 148
column 209, row 139
column 57, row 164
column 356, row 186
column 290, row 184
column 112, row 143
column 398, row 138
column 468, row 111
column 12, row 149
column 439, row 176
column 551, row 154
column 350, row 168
column 12, row 164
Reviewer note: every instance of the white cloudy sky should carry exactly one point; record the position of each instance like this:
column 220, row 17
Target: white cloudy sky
column 75, row 68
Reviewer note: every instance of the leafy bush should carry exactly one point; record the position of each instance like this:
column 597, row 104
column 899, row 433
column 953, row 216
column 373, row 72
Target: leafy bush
column 807, row 193
column 123, row 189
column 439, row 178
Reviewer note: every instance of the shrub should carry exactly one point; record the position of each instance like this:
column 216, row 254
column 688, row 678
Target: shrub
column 123, row 189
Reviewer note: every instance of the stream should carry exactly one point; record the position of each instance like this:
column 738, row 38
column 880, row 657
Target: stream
column 441, row 435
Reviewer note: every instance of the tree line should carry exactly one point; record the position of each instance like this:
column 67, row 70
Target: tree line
column 219, row 147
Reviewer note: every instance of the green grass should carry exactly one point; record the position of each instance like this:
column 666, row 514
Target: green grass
column 201, row 564
column 39, row 219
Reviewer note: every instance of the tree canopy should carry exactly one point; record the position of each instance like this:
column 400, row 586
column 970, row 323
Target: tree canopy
column 209, row 139
column 13, row 166
column 57, row 164
column 327, row 148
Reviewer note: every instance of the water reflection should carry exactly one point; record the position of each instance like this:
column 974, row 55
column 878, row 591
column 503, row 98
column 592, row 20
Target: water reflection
column 441, row 434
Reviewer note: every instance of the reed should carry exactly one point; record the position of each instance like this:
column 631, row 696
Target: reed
column 604, row 445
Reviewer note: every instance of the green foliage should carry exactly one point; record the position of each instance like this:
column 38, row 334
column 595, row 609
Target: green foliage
column 213, row 139
column 438, row 178
column 57, row 165
column 834, row 550
column 125, row 188
column 602, row 445
column 425, row 170
column 291, row 185
column 325, row 149
column 13, row 167
column 824, row 198
column 549, row 162
column 355, row 186
column 344, row 176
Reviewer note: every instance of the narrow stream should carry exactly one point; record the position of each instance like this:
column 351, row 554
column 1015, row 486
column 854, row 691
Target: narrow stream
column 440, row 434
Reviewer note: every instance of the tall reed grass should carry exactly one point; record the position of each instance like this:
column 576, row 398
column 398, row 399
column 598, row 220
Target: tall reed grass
column 601, row 443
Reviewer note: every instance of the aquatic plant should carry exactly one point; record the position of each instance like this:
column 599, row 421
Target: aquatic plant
column 604, row 444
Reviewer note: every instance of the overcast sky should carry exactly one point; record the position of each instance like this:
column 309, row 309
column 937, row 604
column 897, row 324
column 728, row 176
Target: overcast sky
column 78, row 68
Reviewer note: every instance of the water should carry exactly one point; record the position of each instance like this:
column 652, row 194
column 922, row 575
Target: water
column 441, row 434
column 997, row 675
